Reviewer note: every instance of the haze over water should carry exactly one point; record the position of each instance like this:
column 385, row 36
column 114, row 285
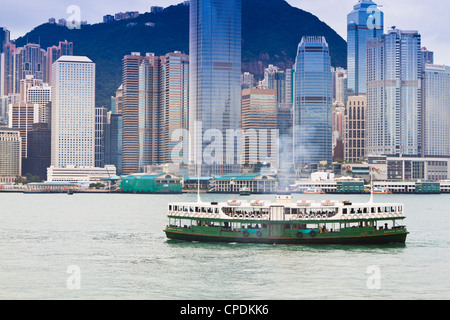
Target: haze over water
column 117, row 244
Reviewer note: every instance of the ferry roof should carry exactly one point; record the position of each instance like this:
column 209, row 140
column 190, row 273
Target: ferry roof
column 298, row 204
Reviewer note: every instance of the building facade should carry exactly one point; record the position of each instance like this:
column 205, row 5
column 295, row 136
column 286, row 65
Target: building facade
column 22, row 116
column 259, row 126
column 313, row 102
column 214, row 77
column 73, row 112
column 10, row 154
column 174, row 103
column 41, row 95
column 394, row 102
column 354, row 133
column 365, row 22
column 436, row 111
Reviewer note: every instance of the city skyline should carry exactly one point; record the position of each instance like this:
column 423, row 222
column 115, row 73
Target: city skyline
column 404, row 14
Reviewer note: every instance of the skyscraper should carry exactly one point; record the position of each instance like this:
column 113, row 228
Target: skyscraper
column 149, row 110
column 30, row 60
column 73, row 112
column 436, row 110
column 4, row 38
column 394, row 111
column 365, row 22
column 8, row 85
column 313, row 102
column 354, row 129
column 174, row 102
column 259, row 124
column 10, row 154
column 154, row 98
column 130, row 112
column 214, row 77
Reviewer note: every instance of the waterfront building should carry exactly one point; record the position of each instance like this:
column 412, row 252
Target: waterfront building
column 10, row 154
column 259, row 124
column 79, row 174
column 436, row 110
column 418, row 168
column 73, row 112
column 256, row 183
column 394, row 102
column 354, row 129
column 214, row 77
column 152, row 183
column 364, row 22
column 313, row 102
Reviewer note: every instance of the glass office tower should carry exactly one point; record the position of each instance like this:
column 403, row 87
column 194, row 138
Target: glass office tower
column 214, row 83
column 313, row 102
column 394, row 94
column 365, row 22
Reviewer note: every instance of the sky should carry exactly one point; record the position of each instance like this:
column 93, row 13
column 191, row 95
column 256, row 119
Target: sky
column 429, row 17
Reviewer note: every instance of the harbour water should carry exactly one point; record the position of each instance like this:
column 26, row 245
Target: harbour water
column 112, row 246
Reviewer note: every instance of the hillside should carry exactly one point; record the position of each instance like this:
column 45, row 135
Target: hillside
column 271, row 31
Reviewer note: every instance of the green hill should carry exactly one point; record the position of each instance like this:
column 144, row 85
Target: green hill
column 271, row 31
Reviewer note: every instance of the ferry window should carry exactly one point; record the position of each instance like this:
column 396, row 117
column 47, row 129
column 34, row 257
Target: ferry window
column 344, row 211
column 170, row 207
column 400, row 209
column 217, row 210
column 387, row 209
column 379, row 210
column 191, row 209
column 365, row 210
column 294, row 211
column 372, row 210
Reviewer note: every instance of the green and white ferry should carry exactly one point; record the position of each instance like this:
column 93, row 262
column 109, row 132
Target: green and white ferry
column 288, row 222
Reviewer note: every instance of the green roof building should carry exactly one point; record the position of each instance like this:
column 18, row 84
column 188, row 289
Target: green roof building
column 151, row 183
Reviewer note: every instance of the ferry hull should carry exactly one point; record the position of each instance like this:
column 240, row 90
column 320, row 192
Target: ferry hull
column 306, row 240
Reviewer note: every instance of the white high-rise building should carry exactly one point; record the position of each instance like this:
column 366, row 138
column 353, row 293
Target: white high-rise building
column 73, row 112
column 436, row 110
column 394, row 94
